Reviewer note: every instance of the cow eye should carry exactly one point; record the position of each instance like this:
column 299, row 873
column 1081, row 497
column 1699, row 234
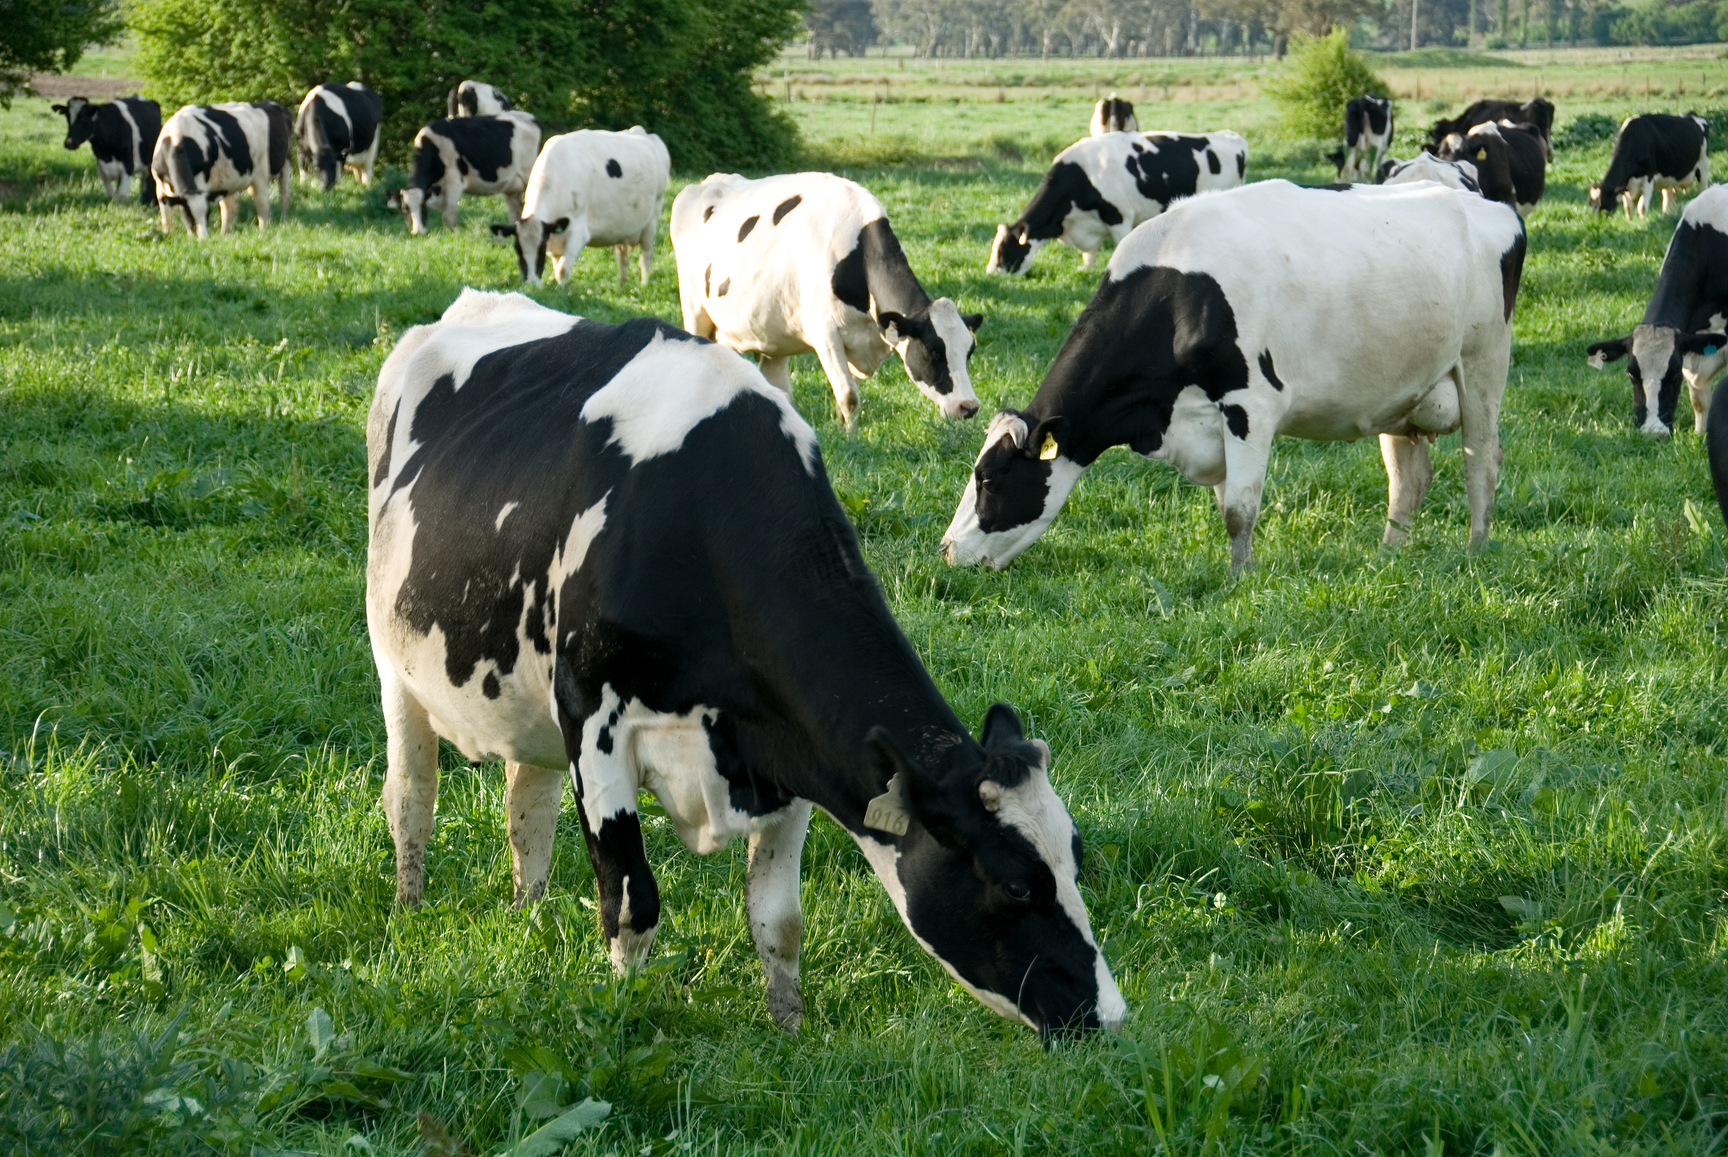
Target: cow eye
column 1018, row 891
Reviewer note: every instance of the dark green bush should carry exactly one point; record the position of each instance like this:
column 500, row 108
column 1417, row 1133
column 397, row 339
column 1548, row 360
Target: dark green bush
column 1586, row 129
column 680, row 69
column 1321, row 75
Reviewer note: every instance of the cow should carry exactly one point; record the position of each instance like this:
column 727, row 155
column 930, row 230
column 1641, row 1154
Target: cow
column 613, row 549
column 219, row 151
column 1100, row 188
column 122, row 134
column 591, row 188
column 1655, row 151
column 475, row 155
column 1237, row 317
column 1428, row 167
column 1113, row 115
column 1681, row 336
column 471, row 98
column 1367, row 137
column 1508, row 162
column 337, row 127
column 1716, row 442
column 1538, row 112
column 807, row 262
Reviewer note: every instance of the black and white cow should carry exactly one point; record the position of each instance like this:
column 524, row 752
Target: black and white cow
column 1538, row 112
column 807, row 262
column 1114, row 115
column 1238, row 317
column 337, row 127
column 1716, row 442
column 218, row 151
column 1681, row 336
column 591, row 188
column 1098, row 189
column 470, row 155
column 1655, row 151
column 122, row 134
column 613, row 550
column 1428, row 167
column 1367, row 137
column 1508, row 159
column 471, row 98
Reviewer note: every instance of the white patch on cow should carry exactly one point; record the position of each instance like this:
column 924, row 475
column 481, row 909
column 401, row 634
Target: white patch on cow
column 671, row 387
column 1194, row 441
column 138, row 160
column 503, row 513
column 1428, row 167
column 480, row 322
column 571, row 181
column 1653, row 347
column 1709, row 209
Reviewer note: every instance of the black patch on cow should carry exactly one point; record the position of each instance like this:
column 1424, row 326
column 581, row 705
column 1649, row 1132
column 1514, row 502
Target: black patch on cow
column 482, row 145
column 111, row 136
column 1170, row 169
column 280, row 136
column 1692, row 286
column 1716, row 443
column 1212, row 162
column 230, row 139
column 707, row 274
column 462, row 164
column 489, row 685
column 469, row 100
column 428, row 164
column 383, row 472
column 1538, row 111
column 724, row 286
column 1236, row 418
column 1511, row 272
column 749, row 224
column 1363, row 115
column 876, row 279
column 786, row 207
column 1265, row 360
column 707, row 213
column 1241, row 164
column 1065, row 187
column 1651, row 145
column 613, row 168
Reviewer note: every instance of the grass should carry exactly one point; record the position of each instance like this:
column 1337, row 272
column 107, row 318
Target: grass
column 1391, row 853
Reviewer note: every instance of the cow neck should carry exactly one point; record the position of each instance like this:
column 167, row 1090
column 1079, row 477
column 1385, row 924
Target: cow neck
column 1693, row 282
column 888, row 276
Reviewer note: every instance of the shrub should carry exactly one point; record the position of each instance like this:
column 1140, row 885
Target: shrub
column 1320, row 76
column 1586, row 129
column 677, row 68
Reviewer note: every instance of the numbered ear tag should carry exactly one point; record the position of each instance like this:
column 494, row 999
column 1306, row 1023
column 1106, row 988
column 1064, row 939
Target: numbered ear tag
column 1048, row 450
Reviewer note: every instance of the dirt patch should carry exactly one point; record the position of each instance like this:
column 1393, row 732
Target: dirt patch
column 57, row 87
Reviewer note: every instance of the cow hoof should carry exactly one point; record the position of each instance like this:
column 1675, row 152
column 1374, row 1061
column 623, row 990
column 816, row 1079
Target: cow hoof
column 1395, row 537
column 786, row 1006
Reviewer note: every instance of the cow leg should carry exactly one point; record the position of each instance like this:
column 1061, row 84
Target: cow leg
column 574, row 240
column 771, row 903
column 513, row 206
column 410, row 785
column 1408, row 473
column 229, row 207
column 1245, row 462
column 1700, row 389
column 645, row 255
column 832, row 353
column 1481, row 381
column 531, row 797
column 606, row 786
column 1669, row 196
column 622, row 252
column 1087, row 258
column 453, row 203
column 777, row 370
column 260, row 197
column 122, row 187
column 284, row 188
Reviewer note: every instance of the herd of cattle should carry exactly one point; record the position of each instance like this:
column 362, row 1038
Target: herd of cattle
column 612, row 552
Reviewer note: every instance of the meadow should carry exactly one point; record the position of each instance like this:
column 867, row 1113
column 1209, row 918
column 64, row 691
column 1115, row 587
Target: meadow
column 1390, row 852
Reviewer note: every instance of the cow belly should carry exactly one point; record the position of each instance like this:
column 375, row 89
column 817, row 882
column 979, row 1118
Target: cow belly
column 516, row 725
column 677, row 764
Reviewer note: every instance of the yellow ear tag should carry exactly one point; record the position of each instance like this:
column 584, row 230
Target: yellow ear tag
column 1048, row 450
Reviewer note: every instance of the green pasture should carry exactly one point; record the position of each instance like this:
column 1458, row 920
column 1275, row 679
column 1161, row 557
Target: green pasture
column 1391, row 853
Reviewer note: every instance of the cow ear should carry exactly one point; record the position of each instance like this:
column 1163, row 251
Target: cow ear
column 503, row 234
column 1704, row 343
column 972, row 320
column 1604, row 352
column 1044, row 441
column 891, row 323
column 559, row 225
column 891, row 811
column 1001, row 726
column 59, row 108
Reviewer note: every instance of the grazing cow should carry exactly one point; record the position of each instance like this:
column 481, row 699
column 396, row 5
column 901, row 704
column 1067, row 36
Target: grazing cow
column 337, row 127
column 1538, row 113
column 1508, row 160
column 1114, row 115
column 122, row 133
column 613, row 549
column 1428, row 167
column 1367, row 136
column 1681, row 336
column 808, row 262
column 591, row 188
column 1100, row 188
column 471, row 98
column 219, row 151
column 1237, row 317
column 478, row 155
column 1655, row 151
column 1716, row 440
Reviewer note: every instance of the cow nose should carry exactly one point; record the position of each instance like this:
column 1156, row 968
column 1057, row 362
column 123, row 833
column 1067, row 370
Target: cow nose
column 968, row 408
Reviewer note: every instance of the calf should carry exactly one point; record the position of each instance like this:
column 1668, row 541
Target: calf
column 613, row 549
column 591, row 188
column 1681, row 336
column 219, row 151
column 122, row 134
column 471, row 98
column 1508, row 162
column 808, row 262
column 1367, row 137
column 1427, row 167
column 1113, row 115
column 480, row 155
column 337, row 127
column 1654, row 152
column 1538, row 113
column 1237, row 317
column 1100, row 188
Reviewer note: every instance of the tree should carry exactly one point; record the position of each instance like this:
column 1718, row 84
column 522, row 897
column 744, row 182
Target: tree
column 49, row 36
column 1322, row 75
column 840, row 26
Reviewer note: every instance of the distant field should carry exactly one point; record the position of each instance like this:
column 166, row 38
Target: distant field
column 1390, row 853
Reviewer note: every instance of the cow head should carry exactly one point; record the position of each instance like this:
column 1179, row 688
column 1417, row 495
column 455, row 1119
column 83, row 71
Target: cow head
column 80, row 120
column 328, row 161
column 936, row 343
column 985, row 871
column 1486, row 151
column 1012, row 250
column 1019, row 482
column 533, row 239
column 1655, row 356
